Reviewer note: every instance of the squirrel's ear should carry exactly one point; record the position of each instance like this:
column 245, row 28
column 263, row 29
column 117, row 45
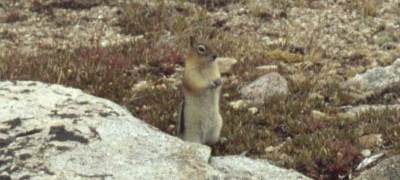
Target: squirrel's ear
column 192, row 41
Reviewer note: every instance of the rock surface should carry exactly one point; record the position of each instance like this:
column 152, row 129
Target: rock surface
column 225, row 64
column 369, row 160
column 388, row 169
column 374, row 81
column 239, row 167
column 52, row 132
column 353, row 112
column 264, row 88
column 371, row 140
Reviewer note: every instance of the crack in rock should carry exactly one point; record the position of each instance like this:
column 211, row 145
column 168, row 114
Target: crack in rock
column 61, row 134
column 28, row 133
column 102, row 176
column 13, row 123
column 63, row 115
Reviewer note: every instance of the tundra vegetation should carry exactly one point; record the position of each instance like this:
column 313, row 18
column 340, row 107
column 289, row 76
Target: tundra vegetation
column 315, row 44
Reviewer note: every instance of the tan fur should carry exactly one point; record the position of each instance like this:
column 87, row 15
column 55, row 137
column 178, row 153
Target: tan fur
column 199, row 114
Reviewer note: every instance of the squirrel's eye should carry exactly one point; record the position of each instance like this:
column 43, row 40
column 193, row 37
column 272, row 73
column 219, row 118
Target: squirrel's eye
column 201, row 49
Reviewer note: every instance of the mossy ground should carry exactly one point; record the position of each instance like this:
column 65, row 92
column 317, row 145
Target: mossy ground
column 320, row 148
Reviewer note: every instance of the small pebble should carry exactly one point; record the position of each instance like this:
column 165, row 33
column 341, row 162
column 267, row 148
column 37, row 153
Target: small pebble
column 237, row 104
column 366, row 152
column 371, row 140
column 253, row 110
column 267, row 68
column 318, row 115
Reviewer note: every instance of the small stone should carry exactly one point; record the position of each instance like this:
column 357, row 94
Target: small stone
column 40, row 34
column 264, row 88
column 267, row 40
column 225, row 64
column 267, row 68
column 171, row 128
column 373, row 81
column 161, row 87
column 316, row 96
column 348, row 116
column 237, row 104
column 269, row 149
column 223, row 140
column 253, row 110
column 226, row 95
column 140, row 86
column 104, row 43
column 366, row 152
column 318, row 115
column 371, row 140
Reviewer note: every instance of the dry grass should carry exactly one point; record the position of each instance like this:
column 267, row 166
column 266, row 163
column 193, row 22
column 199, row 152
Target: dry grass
column 284, row 56
column 365, row 7
column 12, row 17
column 214, row 4
column 320, row 148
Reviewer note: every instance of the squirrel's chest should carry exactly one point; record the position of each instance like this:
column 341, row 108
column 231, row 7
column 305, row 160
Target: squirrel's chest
column 203, row 106
column 211, row 73
column 208, row 98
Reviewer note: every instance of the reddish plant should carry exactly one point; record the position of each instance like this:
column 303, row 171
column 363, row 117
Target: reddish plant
column 346, row 156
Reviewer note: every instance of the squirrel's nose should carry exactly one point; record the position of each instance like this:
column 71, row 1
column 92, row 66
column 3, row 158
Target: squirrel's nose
column 214, row 56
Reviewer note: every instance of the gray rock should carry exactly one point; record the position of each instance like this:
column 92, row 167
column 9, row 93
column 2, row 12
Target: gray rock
column 264, row 88
column 63, row 133
column 365, row 108
column 225, row 64
column 106, row 140
column 374, row 81
column 371, row 140
column 388, row 169
column 353, row 111
column 369, row 160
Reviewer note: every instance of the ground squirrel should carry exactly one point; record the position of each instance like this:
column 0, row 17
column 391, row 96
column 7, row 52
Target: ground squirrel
column 199, row 119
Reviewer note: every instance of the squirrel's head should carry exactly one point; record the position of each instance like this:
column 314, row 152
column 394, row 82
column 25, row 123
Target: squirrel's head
column 202, row 51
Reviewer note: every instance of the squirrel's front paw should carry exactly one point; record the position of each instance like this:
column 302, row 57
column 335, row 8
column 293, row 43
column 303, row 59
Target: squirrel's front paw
column 216, row 83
